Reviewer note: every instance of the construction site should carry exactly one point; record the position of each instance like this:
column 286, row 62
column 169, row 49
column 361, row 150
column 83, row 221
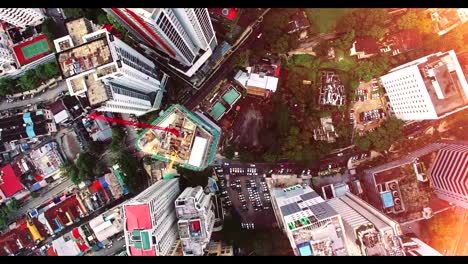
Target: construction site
column 193, row 147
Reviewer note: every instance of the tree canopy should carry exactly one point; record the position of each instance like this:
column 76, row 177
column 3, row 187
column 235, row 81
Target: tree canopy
column 367, row 22
column 129, row 166
column 383, row 137
column 415, row 20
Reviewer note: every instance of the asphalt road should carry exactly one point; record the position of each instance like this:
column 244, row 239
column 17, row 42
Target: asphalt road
column 117, row 246
column 221, row 74
column 48, row 96
column 46, row 195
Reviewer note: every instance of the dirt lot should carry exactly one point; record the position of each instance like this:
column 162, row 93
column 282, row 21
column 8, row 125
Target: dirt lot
column 249, row 123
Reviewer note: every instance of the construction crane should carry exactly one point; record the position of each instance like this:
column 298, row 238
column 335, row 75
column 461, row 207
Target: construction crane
column 172, row 160
column 96, row 116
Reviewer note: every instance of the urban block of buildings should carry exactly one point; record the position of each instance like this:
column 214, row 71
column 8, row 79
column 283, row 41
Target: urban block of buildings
column 259, row 80
column 193, row 148
column 194, row 209
column 184, row 36
column 113, row 75
column 326, row 132
column 447, row 19
column 431, row 87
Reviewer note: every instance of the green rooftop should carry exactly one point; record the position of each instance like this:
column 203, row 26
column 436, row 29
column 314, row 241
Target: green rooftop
column 231, row 96
column 218, row 111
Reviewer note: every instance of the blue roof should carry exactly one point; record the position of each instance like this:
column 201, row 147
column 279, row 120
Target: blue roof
column 27, row 118
column 387, row 199
column 304, row 249
column 30, row 131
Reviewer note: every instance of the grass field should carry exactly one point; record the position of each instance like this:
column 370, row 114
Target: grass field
column 35, row 49
column 324, row 20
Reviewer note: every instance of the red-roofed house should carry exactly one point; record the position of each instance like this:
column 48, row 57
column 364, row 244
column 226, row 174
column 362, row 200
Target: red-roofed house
column 365, row 47
column 64, row 214
column 9, row 183
column 405, row 40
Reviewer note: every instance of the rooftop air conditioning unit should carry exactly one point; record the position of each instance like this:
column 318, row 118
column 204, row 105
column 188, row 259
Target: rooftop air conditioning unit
column 395, row 194
column 397, row 201
column 392, row 186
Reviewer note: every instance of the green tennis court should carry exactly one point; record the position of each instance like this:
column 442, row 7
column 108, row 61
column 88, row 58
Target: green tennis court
column 217, row 111
column 231, row 96
column 35, row 49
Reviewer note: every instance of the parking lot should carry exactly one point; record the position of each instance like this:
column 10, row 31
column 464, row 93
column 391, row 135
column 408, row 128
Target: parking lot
column 244, row 189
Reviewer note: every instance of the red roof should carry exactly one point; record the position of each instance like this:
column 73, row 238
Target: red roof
column 367, row 44
column 407, row 39
column 51, row 251
column 11, row 183
column 76, row 233
column 19, row 53
column 70, row 206
column 138, row 217
column 229, row 13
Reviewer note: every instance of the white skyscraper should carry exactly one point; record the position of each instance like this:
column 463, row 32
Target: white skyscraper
column 150, row 222
column 431, row 87
column 194, row 209
column 114, row 76
column 185, row 35
column 22, row 17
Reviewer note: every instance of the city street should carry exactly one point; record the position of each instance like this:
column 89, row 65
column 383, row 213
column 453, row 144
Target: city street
column 117, row 246
column 48, row 96
column 46, row 195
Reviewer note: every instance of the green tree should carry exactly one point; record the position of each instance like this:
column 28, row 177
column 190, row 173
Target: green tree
column 7, row 86
column 47, row 28
column 71, row 171
column 345, row 42
column 242, row 59
column 51, row 69
column 415, row 20
column 148, row 160
column 367, row 22
column 29, row 80
column 363, row 143
column 86, row 164
column 102, row 19
column 228, row 152
column 13, row 205
column 129, row 166
column 118, row 136
column 40, row 72
column 72, row 13
column 280, row 45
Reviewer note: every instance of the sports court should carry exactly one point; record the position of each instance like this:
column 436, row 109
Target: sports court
column 32, row 50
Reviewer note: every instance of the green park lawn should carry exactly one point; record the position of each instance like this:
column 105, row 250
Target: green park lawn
column 324, row 19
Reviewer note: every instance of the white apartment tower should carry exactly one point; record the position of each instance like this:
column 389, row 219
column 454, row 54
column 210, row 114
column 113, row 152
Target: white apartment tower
column 369, row 232
column 150, row 223
column 194, row 209
column 185, row 35
column 22, row 17
column 114, row 76
column 431, row 87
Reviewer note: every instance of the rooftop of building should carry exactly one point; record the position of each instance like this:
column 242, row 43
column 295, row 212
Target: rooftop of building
column 77, row 28
column 33, row 49
column 367, row 45
column 445, row 82
column 84, row 57
column 193, row 147
column 138, row 225
column 24, row 125
column 444, row 18
column 46, row 159
column 63, row 213
column 450, row 165
column 298, row 21
column 406, row 40
column 9, row 181
column 228, row 13
column 107, row 224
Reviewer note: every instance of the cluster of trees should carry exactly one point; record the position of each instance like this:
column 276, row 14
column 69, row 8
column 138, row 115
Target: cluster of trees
column 85, row 169
column 367, row 22
column 382, row 138
column 415, row 20
column 118, row 136
column 30, row 80
column 128, row 164
column 5, row 210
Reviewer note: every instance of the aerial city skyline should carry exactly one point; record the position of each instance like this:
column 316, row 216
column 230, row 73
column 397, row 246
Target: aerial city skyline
column 233, row 131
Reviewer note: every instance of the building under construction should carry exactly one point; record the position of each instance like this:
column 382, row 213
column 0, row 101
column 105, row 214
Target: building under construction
column 193, row 147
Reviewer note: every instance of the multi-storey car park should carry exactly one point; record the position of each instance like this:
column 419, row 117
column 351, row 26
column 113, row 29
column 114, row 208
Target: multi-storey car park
column 193, row 148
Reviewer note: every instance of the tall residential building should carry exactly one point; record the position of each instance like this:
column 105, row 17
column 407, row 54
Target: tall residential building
column 449, row 174
column 194, row 209
column 368, row 231
column 431, row 87
column 185, row 35
column 150, row 222
column 22, row 17
column 114, row 76
column 312, row 226
column 193, row 147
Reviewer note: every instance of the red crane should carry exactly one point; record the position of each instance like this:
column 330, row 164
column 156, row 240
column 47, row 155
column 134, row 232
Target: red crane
column 132, row 123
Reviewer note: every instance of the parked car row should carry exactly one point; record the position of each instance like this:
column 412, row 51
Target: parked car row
column 371, row 115
column 248, row 226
